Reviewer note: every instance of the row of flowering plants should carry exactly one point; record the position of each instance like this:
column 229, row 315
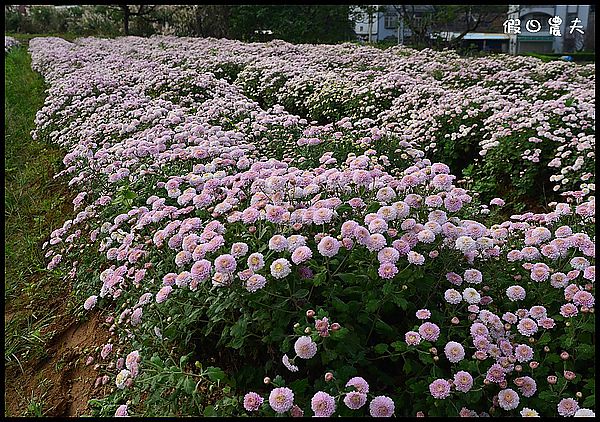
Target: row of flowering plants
column 252, row 262
column 511, row 124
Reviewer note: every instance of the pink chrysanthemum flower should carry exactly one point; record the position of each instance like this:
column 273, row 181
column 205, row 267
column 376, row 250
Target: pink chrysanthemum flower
column 527, row 327
column 305, row 348
column 281, row 399
column 359, row 383
column 508, row 399
column 527, row 386
column 355, row 400
column 255, row 282
column 301, row 254
column 423, row 314
column 387, row 270
column 322, row 404
column 567, row 407
column 328, row 246
column 281, row 268
column 381, row 407
column 239, row 249
column 454, row 351
column 412, row 338
column 440, row 388
column 163, row 294
column 252, row 401
column 90, row 303
column 429, row 331
column 288, row 364
column 463, row 381
column 256, row 261
column 523, row 353
column 388, row 255
column 122, row 411
column 495, row 373
column 415, row 258
column 515, row 293
column 225, row 264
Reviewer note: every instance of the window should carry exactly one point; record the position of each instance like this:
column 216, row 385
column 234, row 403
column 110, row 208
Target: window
column 361, row 28
column 390, row 21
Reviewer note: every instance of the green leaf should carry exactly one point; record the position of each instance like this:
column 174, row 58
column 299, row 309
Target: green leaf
column 301, row 293
column 214, row 373
column 210, row 411
column 347, row 277
column 381, row 348
column 189, row 386
column 589, row 401
column 399, row 346
column 319, row 279
column 407, row 366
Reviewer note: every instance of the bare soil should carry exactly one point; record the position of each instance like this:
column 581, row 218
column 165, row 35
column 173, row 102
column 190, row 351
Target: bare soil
column 61, row 381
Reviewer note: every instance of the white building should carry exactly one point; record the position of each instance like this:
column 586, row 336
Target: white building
column 549, row 36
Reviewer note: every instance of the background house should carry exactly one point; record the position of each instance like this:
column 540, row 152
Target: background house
column 543, row 41
column 375, row 23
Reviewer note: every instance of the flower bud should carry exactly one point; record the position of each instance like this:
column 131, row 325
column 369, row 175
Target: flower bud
column 579, row 394
column 252, row 229
column 503, row 384
column 307, row 330
column 433, row 350
column 310, row 313
column 531, row 340
column 404, row 287
column 533, row 364
column 436, row 358
column 564, row 355
column 296, row 325
column 420, row 414
column 486, row 381
column 518, row 382
column 455, row 320
column 568, row 323
column 267, row 380
column 546, row 349
column 507, row 326
column 518, row 368
column 328, row 376
column 569, row 375
column 585, row 309
column 335, row 326
column 552, row 379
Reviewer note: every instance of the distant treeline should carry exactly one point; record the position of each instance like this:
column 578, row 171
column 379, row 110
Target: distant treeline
column 293, row 23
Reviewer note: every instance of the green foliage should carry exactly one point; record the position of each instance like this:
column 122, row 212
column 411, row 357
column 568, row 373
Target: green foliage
column 292, row 23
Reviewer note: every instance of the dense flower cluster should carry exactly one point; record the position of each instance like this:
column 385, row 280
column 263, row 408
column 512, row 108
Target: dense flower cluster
column 9, row 43
column 201, row 210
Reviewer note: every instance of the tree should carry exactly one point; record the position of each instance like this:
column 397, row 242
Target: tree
column 425, row 21
column 142, row 11
column 292, row 23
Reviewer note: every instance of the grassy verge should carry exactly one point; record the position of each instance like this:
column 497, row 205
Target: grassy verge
column 34, row 205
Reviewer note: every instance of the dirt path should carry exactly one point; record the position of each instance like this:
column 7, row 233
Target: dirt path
column 59, row 384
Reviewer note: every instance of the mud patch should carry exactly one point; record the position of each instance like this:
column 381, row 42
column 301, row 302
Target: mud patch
column 60, row 384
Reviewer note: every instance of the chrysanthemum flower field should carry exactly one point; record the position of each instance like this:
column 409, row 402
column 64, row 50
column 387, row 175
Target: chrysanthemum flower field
column 327, row 230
